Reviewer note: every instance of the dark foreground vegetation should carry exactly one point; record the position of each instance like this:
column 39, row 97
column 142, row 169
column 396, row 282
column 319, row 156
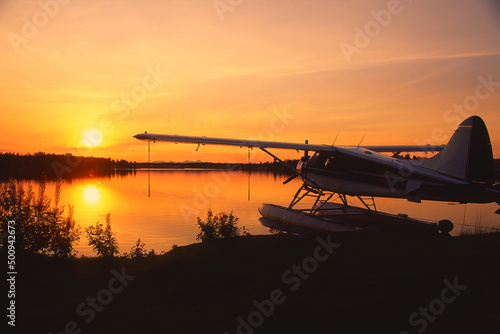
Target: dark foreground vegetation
column 345, row 283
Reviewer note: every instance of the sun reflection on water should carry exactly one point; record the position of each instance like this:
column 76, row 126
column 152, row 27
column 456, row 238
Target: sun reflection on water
column 91, row 194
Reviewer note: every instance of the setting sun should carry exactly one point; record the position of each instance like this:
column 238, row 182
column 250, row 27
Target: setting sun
column 92, row 138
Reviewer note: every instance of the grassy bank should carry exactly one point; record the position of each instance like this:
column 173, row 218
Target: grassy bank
column 346, row 283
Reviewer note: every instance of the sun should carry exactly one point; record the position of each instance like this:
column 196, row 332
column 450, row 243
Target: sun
column 92, row 137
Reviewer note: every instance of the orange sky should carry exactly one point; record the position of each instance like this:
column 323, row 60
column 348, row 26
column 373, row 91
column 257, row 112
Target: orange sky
column 396, row 72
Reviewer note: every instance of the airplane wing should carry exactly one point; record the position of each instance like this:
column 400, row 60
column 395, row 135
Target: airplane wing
column 281, row 145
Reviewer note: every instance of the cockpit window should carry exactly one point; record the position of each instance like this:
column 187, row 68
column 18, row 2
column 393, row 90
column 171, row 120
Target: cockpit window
column 323, row 160
column 330, row 162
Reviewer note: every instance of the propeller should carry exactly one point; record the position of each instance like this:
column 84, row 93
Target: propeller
column 304, row 159
column 290, row 178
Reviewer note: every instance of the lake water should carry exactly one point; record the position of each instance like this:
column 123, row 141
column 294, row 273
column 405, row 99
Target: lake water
column 177, row 197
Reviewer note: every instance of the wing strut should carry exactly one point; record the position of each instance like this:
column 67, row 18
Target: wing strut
column 286, row 164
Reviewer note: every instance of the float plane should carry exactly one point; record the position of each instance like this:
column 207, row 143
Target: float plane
column 462, row 171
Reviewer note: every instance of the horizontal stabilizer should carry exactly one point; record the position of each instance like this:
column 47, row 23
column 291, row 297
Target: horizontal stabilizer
column 459, row 193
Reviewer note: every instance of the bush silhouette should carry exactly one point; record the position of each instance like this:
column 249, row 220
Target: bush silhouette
column 41, row 228
column 219, row 226
column 138, row 251
column 102, row 239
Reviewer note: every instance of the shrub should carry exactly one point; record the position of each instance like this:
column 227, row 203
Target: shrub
column 219, row 226
column 102, row 239
column 138, row 251
column 41, row 228
column 276, row 230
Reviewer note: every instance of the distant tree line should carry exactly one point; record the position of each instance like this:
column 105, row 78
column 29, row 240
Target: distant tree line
column 56, row 166
column 67, row 166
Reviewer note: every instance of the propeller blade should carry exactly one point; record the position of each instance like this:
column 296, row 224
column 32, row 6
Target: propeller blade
column 290, row 179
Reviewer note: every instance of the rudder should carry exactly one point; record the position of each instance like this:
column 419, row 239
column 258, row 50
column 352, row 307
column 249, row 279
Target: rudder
column 468, row 155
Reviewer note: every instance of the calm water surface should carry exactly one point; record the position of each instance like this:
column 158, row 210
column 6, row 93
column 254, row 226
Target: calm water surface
column 178, row 197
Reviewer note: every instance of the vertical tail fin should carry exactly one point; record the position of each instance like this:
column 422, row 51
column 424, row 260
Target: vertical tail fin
column 468, row 155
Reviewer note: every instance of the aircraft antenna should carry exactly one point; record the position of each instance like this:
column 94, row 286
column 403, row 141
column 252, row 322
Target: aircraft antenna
column 361, row 140
column 335, row 139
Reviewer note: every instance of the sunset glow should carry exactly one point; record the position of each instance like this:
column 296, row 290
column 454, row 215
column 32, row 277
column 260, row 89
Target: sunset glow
column 77, row 80
column 92, row 138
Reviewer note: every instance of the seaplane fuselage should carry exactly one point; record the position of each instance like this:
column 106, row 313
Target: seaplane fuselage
column 361, row 172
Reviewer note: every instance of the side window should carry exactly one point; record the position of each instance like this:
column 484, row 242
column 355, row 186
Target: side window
column 322, row 157
column 330, row 162
column 318, row 160
column 325, row 161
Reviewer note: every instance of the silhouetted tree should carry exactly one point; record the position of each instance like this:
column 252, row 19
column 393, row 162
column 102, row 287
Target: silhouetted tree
column 102, row 239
